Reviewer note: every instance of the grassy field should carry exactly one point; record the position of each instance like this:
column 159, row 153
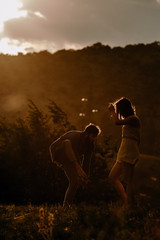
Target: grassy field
column 88, row 222
column 97, row 221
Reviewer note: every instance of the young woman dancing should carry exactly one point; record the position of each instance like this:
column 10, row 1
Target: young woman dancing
column 123, row 113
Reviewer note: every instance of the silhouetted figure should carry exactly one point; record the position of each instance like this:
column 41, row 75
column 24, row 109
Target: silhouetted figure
column 123, row 113
column 73, row 152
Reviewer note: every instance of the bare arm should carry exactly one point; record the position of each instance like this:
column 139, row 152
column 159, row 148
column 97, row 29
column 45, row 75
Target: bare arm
column 131, row 120
column 72, row 157
column 114, row 115
column 69, row 150
column 51, row 154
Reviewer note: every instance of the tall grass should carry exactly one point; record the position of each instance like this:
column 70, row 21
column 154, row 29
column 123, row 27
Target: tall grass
column 82, row 221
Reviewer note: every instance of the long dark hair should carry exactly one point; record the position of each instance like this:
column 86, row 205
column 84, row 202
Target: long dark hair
column 124, row 107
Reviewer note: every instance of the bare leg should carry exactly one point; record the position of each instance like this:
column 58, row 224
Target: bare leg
column 72, row 175
column 114, row 175
column 65, row 157
column 128, row 174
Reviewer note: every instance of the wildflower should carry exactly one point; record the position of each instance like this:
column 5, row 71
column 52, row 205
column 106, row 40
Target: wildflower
column 66, row 229
column 142, row 194
column 10, row 208
column 41, row 212
column 41, row 216
column 154, row 179
column 50, row 219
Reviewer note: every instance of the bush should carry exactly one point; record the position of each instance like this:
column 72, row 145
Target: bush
column 26, row 171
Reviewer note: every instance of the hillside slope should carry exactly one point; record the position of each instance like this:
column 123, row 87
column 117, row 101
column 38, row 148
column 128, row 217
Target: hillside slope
column 98, row 73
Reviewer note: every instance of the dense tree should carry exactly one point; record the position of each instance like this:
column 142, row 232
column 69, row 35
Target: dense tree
column 98, row 72
column 26, row 171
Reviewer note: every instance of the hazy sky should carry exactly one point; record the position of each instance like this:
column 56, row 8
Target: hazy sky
column 34, row 25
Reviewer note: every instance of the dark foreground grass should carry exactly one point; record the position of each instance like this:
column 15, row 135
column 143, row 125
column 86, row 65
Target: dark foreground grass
column 79, row 222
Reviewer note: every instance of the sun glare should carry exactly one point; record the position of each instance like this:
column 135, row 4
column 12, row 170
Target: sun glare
column 11, row 47
column 14, row 46
column 10, row 9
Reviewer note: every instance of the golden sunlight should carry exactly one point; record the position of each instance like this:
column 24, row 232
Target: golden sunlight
column 10, row 9
column 12, row 47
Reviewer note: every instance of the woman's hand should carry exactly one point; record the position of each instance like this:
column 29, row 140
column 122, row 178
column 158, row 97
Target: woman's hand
column 111, row 107
column 114, row 115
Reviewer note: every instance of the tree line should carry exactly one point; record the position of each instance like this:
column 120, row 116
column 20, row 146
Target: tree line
column 97, row 72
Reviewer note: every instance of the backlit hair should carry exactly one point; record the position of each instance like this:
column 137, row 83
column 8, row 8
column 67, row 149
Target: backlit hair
column 124, row 107
column 92, row 129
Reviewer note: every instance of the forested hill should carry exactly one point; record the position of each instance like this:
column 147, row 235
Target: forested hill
column 99, row 73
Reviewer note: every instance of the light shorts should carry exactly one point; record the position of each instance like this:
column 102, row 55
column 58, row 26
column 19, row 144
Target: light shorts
column 128, row 151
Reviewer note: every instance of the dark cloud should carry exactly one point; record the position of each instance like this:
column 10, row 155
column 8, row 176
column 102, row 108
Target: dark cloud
column 116, row 22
